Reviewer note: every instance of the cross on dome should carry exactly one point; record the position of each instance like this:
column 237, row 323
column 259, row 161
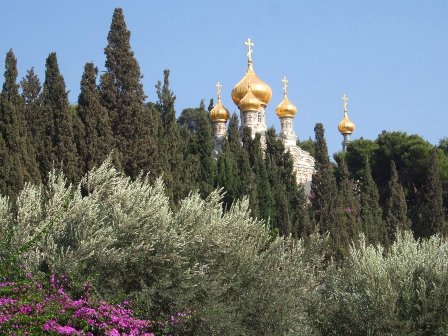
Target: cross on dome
column 249, row 44
column 345, row 99
column 285, row 85
column 219, row 86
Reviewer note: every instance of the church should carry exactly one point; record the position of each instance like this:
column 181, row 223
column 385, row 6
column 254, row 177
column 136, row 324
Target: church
column 252, row 95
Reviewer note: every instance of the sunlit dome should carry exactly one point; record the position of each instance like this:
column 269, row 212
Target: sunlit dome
column 260, row 89
column 219, row 112
column 346, row 126
column 285, row 108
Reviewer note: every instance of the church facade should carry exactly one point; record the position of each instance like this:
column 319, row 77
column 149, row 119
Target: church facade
column 252, row 96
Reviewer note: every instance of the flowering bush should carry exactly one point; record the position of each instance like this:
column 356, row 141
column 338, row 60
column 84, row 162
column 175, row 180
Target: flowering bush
column 124, row 237
column 26, row 308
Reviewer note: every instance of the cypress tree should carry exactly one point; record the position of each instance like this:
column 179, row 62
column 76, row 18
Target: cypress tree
column 264, row 190
column 122, row 94
column 432, row 212
column 98, row 137
column 247, row 170
column 211, row 104
column 31, row 94
column 59, row 123
column 396, row 217
column 373, row 225
column 200, row 169
column 170, row 138
column 18, row 162
column 228, row 176
column 279, row 178
column 207, row 163
column 323, row 186
column 324, row 198
column 302, row 224
column 349, row 201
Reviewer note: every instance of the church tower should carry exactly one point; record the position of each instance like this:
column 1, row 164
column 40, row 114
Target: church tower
column 346, row 127
column 252, row 95
column 286, row 112
column 219, row 116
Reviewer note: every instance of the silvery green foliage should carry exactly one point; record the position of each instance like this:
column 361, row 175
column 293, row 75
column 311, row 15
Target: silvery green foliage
column 126, row 239
column 403, row 292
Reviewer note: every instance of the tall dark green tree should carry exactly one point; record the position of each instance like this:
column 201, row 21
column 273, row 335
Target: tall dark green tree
column 247, row 165
column 264, row 191
column 59, row 123
column 123, row 96
column 432, row 218
column 324, row 197
column 31, row 94
column 373, row 225
column 396, row 216
column 280, row 178
column 170, row 140
column 18, row 162
column 323, row 187
column 210, row 105
column 228, row 176
column 98, row 138
column 349, row 201
column 199, row 171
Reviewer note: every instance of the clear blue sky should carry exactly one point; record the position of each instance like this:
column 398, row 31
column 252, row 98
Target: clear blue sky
column 389, row 57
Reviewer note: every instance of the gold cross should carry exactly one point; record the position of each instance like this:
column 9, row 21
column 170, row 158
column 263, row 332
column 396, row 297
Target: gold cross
column 285, row 85
column 345, row 99
column 219, row 86
column 249, row 44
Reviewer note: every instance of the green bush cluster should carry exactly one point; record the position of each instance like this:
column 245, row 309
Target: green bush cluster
column 222, row 265
column 124, row 238
column 401, row 292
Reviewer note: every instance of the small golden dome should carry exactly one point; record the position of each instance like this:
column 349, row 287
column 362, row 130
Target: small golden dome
column 219, row 112
column 346, row 126
column 249, row 101
column 260, row 89
column 285, row 108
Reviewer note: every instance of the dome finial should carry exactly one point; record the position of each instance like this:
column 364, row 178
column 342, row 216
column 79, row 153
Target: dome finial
column 345, row 99
column 219, row 86
column 285, row 85
column 249, row 44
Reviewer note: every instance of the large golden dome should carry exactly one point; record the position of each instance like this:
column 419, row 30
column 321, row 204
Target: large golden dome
column 260, row 89
column 219, row 112
column 346, row 126
column 249, row 102
column 285, row 108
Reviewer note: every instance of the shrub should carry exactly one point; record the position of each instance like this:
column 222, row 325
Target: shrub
column 124, row 238
column 403, row 292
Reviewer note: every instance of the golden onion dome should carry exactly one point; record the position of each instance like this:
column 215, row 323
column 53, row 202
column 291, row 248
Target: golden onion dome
column 249, row 101
column 260, row 89
column 219, row 112
column 346, row 126
column 285, row 108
